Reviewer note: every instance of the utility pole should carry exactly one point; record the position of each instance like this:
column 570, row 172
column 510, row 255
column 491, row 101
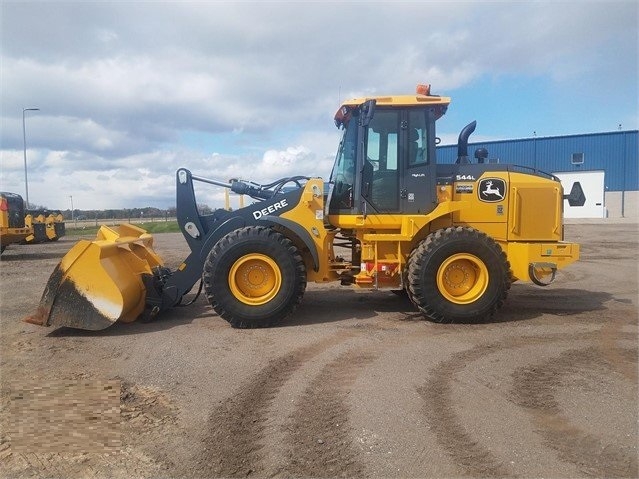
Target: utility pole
column 24, row 140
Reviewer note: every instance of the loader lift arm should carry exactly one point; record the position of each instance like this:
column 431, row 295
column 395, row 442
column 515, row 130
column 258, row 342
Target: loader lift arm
column 119, row 277
column 165, row 288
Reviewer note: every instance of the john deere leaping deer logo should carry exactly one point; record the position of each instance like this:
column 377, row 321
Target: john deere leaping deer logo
column 492, row 190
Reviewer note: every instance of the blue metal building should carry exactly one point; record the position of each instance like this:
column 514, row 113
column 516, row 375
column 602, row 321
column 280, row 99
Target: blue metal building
column 613, row 153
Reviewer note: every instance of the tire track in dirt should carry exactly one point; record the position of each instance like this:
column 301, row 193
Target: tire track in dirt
column 320, row 436
column 610, row 333
column 233, row 447
column 533, row 389
column 474, row 458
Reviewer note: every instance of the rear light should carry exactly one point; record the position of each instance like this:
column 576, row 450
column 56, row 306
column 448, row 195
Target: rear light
column 3, row 205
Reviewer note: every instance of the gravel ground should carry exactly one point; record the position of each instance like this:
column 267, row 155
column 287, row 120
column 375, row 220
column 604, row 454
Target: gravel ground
column 355, row 384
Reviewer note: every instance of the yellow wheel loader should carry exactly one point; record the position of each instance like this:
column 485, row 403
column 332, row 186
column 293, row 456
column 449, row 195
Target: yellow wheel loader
column 452, row 236
column 12, row 226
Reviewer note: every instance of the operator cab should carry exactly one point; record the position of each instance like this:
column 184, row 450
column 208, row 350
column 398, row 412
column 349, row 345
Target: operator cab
column 385, row 163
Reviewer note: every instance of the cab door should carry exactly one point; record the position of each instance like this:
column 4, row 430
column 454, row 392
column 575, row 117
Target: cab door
column 418, row 178
column 398, row 174
column 382, row 162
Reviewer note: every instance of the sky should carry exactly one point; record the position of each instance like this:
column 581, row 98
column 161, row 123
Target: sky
column 130, row 91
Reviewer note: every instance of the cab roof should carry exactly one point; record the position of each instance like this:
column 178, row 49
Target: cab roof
column 421, row 97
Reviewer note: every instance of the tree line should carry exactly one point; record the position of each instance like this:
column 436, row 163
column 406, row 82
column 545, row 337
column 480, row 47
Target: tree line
column 118, row 214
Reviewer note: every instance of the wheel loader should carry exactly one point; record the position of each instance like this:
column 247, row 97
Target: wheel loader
column 12, row 227
column 46, row 226
column 452, row 237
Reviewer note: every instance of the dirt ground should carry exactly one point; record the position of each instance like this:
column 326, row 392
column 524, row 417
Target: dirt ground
column 355, row 384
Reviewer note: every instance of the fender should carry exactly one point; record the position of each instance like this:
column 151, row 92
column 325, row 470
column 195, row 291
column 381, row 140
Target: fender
column 297, row 230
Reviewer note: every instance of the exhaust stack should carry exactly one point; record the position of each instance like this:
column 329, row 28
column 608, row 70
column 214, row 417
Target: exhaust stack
column 462, row 142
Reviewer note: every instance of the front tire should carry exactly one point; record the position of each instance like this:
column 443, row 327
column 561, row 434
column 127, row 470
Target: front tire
column 254, row 277
column 458, row 274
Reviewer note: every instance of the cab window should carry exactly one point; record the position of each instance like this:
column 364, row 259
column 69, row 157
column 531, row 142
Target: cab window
column 382, row 154
column 417, row 138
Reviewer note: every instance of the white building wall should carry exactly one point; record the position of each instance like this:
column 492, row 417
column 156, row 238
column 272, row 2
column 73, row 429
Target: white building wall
column 622, row 204
column 592, row 184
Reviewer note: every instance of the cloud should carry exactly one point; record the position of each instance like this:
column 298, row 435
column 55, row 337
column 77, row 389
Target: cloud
column 130, row 91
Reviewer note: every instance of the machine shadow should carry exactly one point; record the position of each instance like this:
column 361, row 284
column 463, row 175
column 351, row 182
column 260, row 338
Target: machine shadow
column 328, row 306
column 178, row 316
column 525, row 303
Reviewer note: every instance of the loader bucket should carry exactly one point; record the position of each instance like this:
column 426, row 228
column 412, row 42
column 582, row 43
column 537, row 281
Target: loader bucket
column 99, row 282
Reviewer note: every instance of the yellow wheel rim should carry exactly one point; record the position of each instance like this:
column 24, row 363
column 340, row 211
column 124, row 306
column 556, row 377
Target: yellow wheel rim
column 462, row 278
column 255, row 279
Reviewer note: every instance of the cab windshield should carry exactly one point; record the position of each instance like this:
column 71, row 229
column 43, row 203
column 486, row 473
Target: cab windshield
column 343, row 174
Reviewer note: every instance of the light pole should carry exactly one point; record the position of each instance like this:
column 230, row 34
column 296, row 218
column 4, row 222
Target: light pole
column 24, row 140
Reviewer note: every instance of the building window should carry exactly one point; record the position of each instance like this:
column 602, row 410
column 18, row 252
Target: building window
column 577, row 159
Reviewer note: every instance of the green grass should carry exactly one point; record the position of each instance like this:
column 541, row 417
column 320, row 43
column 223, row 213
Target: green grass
column 151, row 227
column 161, row 227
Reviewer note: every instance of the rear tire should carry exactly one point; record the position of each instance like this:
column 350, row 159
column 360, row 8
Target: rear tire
column 458, row 274
column 254, row 277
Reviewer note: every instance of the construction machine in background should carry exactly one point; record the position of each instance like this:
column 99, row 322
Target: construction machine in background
column 45, row 226
column 35, row 222
column 452, row 236
column 12, row 220
column 18, row 226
